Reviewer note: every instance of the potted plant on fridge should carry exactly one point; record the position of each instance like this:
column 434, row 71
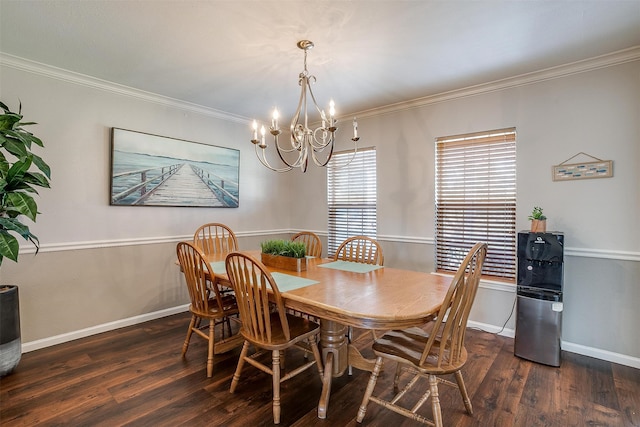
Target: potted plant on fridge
column 21, row 171
column 538, row 220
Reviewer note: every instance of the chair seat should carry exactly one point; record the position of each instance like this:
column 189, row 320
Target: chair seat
column 406, row 346
column 229, row 307
column 299, row 328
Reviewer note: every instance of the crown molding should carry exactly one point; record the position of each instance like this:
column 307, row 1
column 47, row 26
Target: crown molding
column 603, row 61
column 607, row 60
column 104, row 85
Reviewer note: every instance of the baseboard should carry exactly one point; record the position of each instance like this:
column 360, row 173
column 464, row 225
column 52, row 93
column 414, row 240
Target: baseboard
column 105, row 327
column 492, row 329
column 609, row 356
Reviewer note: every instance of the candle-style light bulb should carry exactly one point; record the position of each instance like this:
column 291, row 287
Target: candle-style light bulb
column 263, row 144
column 355, row 128
column 255, row 130
column 332, row 112
column 274, row 120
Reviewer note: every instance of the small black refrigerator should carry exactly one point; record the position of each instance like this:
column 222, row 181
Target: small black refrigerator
column 539, row 297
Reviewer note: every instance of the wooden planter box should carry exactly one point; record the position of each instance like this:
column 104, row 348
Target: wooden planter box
column 284, row 262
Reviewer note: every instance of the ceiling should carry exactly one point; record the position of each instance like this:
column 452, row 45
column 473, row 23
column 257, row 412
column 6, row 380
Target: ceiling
column 240, row 57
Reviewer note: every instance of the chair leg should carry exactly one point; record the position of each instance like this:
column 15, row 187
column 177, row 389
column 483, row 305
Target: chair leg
column 369, row 391
column 396, row 378
column 349, row 340
column 276, row 386
column 212, row 333
column 435, row 401
column 236, row 374
column 463, row 392
column 185, row 346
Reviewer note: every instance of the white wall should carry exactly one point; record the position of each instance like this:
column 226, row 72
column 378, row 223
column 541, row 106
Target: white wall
column 597, row 112
column 100, row 263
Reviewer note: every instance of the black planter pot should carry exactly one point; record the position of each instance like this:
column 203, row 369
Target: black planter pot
column 10, row 342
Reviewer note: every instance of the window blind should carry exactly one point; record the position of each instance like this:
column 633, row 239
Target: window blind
column 351, row 196
column 476, row 200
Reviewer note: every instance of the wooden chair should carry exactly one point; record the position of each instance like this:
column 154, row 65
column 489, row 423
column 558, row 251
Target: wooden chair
column 365, row 250
column 207, row 303
column 311, row 242
column 313, row 246
column 215, row 238
column 431, row 355
column 360, row 249
column 267, row 326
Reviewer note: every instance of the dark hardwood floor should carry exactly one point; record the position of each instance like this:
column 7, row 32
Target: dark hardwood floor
column 136, row 376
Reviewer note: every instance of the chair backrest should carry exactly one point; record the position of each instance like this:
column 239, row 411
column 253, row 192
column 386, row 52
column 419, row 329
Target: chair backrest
column 446, row 340
column 360, row 249
column 215, row 238
column 311, row 242
column 251, row 283
column 195, row 267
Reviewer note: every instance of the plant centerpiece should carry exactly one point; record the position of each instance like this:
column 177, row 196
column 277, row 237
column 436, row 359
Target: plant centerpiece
column 284, row 254
column 20, row 172
column 538, row 220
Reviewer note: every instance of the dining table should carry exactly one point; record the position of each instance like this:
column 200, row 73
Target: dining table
column 342, row 294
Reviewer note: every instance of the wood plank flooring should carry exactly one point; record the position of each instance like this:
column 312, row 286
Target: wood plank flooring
column 135, row 376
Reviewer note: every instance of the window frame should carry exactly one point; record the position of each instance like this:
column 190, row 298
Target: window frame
column 475, row 200
column 352, row 194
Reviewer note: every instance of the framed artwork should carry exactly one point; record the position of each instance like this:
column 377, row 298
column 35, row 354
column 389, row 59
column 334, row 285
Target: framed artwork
column 595, row 168
column 152, row 170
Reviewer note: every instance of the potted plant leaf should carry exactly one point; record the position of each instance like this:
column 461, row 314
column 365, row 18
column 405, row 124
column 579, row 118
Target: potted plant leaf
column 538, row 220
column 21, row 171
column 284, row 254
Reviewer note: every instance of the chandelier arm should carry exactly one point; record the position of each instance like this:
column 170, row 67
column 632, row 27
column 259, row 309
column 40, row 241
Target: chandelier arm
column 284, row 150
column 353, row 156
column 320, row 162
column 321, row 144
column 265, row 163
column 291, row 164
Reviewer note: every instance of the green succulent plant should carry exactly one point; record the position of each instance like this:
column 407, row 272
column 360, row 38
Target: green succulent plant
column 537, row 214
column 20, row 172
column 284, row 248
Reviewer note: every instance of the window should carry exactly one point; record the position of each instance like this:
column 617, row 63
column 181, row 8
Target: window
column 351, row 196
column 476, row 200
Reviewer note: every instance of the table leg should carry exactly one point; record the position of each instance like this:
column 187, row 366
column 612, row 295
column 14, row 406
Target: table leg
column 333, row 343
column 333, row 340
column 358, row 361
column 326, row 387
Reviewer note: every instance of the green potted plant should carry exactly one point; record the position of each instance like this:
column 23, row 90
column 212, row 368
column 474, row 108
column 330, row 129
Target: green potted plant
column 20, row 172
column 284, row 254
column 538, row 220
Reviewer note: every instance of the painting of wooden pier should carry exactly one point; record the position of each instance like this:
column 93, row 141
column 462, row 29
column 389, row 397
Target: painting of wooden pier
column 152, row 170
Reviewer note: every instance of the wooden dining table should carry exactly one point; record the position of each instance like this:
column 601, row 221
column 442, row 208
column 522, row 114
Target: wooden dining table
column 345, row 294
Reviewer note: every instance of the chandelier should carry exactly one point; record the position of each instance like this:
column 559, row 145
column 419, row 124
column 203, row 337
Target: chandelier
column 305, row 142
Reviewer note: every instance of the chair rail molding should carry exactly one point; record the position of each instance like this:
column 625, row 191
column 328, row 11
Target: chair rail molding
column 107, row 243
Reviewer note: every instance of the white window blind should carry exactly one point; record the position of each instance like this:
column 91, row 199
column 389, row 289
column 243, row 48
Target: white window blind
column 351, row 196
column 476, row 200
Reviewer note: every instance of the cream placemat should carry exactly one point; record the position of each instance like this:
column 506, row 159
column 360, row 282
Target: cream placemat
column 219, row 267
column 354, row 267
column 288, row 283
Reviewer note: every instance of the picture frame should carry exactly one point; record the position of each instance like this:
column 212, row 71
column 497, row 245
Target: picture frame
column 597, row 168
column 153, row 170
